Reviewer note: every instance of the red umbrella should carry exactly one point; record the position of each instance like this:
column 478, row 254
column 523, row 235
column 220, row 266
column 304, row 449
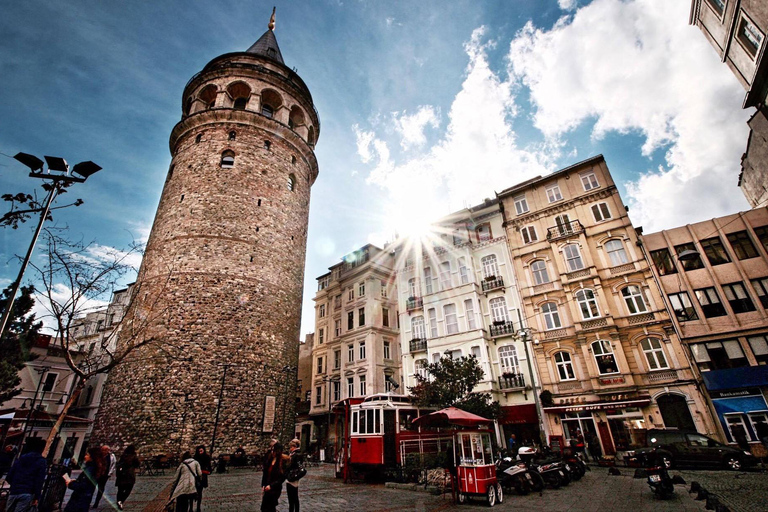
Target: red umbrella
column 451, row 416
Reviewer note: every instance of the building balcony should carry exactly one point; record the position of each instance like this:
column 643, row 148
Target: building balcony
column 663, row 376
column 418, row 344
column 492, row 283
column 499, row 329
column 414, row 303
column 622, row 269
column 572, row 228
column 509, row 381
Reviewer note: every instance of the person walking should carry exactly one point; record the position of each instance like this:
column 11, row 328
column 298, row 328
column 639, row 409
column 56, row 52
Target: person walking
column 26, row 477
column 593, row 444
column 125, row 477
column 272, row 478
column 294, row 466
column 205, row 466
column 110, row 465
column 85, row 484
column 184, row 489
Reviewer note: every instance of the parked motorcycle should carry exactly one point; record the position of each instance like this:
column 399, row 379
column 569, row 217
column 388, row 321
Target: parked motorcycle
column 658, row 477
column 513, row 474
column 552, row 471
column 575, row 465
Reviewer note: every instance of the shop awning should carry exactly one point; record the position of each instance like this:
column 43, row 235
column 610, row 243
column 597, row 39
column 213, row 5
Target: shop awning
column 735, row 378
column 740, row 404
column 597, row 406
column 516, row 414
column 452, row 416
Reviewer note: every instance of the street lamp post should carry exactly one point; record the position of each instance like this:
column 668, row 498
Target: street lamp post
column 60, row 177
column 524, row 335
column 27, row 424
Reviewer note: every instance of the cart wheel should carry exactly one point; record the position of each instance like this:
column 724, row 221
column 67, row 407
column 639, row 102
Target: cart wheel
column 462, row 498
column 491, row 495
column 499, row 493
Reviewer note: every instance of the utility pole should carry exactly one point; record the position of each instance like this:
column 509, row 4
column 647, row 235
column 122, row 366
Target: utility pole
column 42, row 371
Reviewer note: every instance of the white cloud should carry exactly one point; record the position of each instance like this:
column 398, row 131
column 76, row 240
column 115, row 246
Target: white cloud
column 566, row 5
column 61, row 294
column 637, row 66
column 363, row 139
column 411, row 127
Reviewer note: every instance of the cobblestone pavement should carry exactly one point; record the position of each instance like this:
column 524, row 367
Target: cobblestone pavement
column 240, row 490
column 740, row 492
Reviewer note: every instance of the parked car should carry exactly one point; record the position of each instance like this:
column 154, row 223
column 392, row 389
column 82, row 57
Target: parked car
column 683, row 448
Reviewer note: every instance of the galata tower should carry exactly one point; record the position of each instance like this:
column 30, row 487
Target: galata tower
column 222, row 276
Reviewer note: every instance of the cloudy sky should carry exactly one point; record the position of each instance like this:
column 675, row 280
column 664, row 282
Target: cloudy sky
column 426, row 106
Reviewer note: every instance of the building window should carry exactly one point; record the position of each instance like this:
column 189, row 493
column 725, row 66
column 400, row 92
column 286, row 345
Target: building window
column 445, row 275
column 715, row 251
column 587, row 304
column 232, row 135
column 682, row 306
column 361, row 317
column 420, row 368
column 336, row 359
column 319, row 395
column 320, row 365
column 633, row 297
column 385, row 317
column 663, row 262
column 228, row 159
column 413, row 288
column 573, row 257
column 738, row 298
column 761, row 287
column 654, row 354
column 529, row 234
column 336, row 390
column 499, row 312
column 589, row 181
column 351, row 353
column 451, row 321
column 350, row 295
column 553, row 193
column 198, row 138
column 551, row 315
column 428, row 280
column 601, row 212
column 337, row 330
column 719, row 355
column 267, row 111
column 563, row 223
column 320, row 336
column 337, row 302
column 463, row 271
column 50, row 382
column 749, row 36
column 742, row 245
column 469, row 307
column 539, row 271
column 417, row 327
column 363, row 391
column 508, row 359
column 710, row 302
column 616, row 252
column 691, row 261
column 606, row 361
column 432, row 322
column 321, row 310
column 483, row 232
column 351, row 390
column 521, row 205
column 759, row 345
column 361, row 289
column 350, row 320
column 564, row 366
column 387, row 354
column 717, row 5
column 361, row 350
column 384, row 289
column 291, row 182
column 490, row 267
column 762, row 235
column 240, row 103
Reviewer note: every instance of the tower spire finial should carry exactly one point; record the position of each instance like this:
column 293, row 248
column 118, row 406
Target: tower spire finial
column 272, row 20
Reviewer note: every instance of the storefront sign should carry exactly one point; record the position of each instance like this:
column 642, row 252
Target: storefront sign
column 735, row 393
column 612, row 380
column 269, row 414
column 598, row 406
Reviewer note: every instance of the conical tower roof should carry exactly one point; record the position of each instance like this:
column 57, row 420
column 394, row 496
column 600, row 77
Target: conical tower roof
column 267, row 46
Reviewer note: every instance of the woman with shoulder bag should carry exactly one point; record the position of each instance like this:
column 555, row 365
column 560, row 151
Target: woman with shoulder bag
column 126, row 474
column 85, row 485
column 296, row 471
column 188, row 476
column 272, row 478
column 205, row 465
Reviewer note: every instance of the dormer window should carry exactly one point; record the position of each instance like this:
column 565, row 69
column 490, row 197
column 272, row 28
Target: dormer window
column 228, row 159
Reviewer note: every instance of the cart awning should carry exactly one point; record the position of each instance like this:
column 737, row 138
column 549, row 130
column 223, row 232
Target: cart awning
column 451, row 416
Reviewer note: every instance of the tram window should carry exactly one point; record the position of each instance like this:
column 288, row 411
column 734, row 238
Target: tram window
column 362, row 422
column 406, row 419
column 377, row 423
column 354, row 422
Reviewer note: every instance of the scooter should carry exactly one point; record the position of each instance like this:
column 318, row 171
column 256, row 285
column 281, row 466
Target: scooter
column 575, row 465
column 658, row 477
column 513, row 474
column 552, row 472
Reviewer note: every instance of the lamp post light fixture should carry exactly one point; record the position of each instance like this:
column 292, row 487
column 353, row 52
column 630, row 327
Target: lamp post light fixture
column 59, row 176
column 524, row 335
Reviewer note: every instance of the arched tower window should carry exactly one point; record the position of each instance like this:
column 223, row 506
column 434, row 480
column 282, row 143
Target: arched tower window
column 208, row 96
column 198, row 138
column 188, row 106
column 311, row 136
column 296, row 118
column 270, row 102
column 291, row 182
column 239, row 92
column 232, row 135
column 228, row 159
column 240, row 103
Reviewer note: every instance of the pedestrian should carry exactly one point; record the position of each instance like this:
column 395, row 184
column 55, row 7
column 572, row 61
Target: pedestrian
column 267, row 457
column 593, row 444
column 580, row 444
column 110, row 465
column 125, row 477
column 239, row 458
column 184, row 489
column 511, row 442
column 272, row 478
column 295, row 472
column 205, row 466
column 85, row 485
column 6, row 459
column 26, row 477
column 761, row 429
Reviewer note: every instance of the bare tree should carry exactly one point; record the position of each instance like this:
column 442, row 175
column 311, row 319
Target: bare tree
column 73, row 278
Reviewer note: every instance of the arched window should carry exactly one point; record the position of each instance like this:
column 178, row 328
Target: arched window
column 539, row 271
column 240, row 103
column 270, row 102
column 239, row 92
column 420, row 367
column 413, row 288
column 499, row 312
column 490, row 267
column 267, row 145
column 267, row 111
column 208, row 95
column 633, row 297
column 228, row 159
column 198, row 138
column 587, row 304
column 296, row 117
column 616, row 252
column 606, row 361
column 417, row 327
column 291, row 182
column 232, row 135
column 311, row 136
column 508, row 359
column 573, row 257
column 551, row 315
column 564, row 366
column 188, row 106
column 654, row 354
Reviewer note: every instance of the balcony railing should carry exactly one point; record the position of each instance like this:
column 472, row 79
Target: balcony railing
column 512, row 381
column 502, row 329
column 414, row 303
column 493, row 283
column 418, row 344
column 571, row 228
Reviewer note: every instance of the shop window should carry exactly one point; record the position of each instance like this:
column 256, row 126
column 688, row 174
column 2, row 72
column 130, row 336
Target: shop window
column 718, row 355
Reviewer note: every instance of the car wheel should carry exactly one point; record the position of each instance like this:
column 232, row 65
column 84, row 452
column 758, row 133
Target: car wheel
column 667, row 461
column 499, row 493
column 733, row 463
column 491, row 495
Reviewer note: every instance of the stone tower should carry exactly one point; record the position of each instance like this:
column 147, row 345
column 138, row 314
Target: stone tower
column 223, row 269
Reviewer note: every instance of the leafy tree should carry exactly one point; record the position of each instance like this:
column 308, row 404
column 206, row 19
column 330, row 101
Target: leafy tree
column 17, row 340
column 451, row 382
